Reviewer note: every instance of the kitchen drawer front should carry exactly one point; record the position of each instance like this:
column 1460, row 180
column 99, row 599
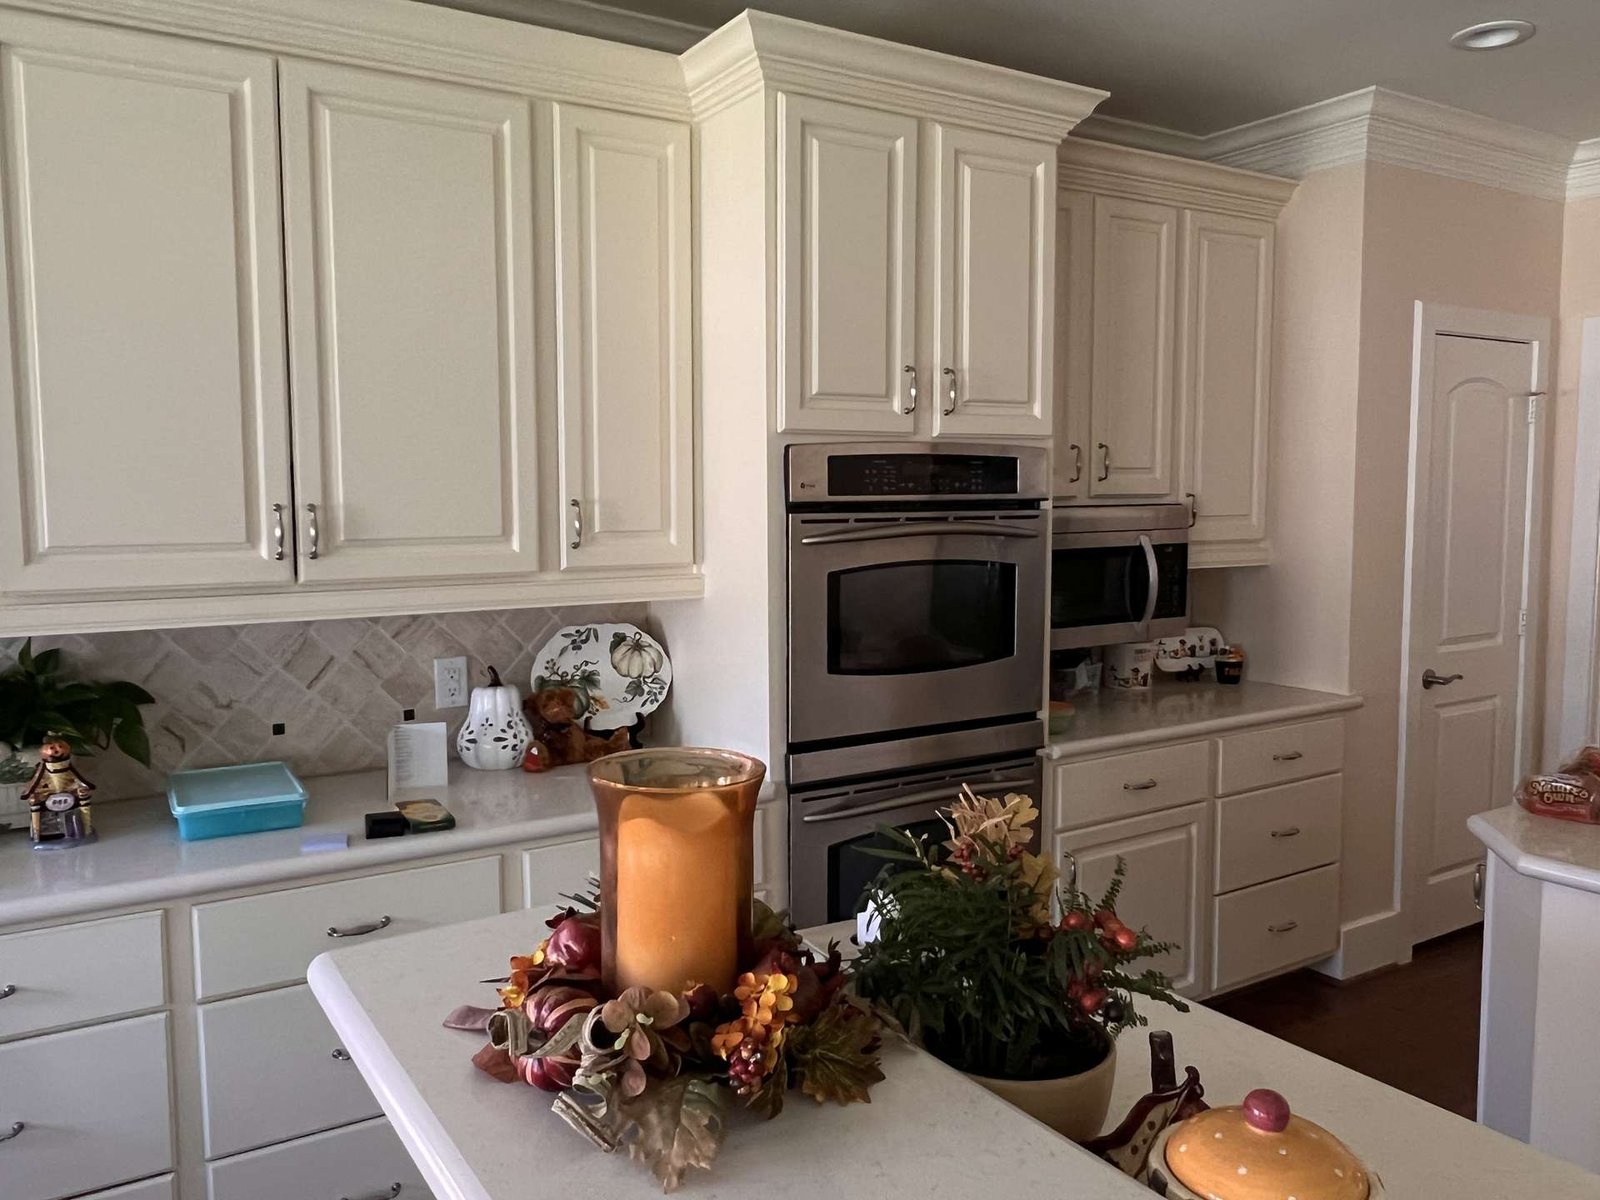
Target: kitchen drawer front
column 1280, row 753
column 1276, row 832
column 1125, row 785
column 268, row 1072
column 95, row 1104
column 162, row 1188
column 85, row 972
column 550, row 873
column 1273, row 926
column 260, row 941
column 358, row 1161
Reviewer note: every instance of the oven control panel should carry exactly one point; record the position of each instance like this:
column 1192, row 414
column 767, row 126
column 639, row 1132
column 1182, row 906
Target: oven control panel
column 819, row 473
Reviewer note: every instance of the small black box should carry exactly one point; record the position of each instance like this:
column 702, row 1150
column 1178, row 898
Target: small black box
column 385, row 824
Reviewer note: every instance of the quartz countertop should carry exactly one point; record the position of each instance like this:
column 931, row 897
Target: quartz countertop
column 1172, row 710
column 1556, row 851
column 929, row 1131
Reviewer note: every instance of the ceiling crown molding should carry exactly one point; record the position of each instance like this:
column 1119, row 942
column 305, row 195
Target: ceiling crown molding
column 1139, row 174
column 795, row 55
column 1583, row 176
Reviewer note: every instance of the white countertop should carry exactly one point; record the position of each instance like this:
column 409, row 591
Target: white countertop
column 1564, row 852
column 929, row 1133
column 1172, row 709
column 139, row 858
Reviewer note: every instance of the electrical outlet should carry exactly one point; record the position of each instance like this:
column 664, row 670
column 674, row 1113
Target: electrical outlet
column 449, row 682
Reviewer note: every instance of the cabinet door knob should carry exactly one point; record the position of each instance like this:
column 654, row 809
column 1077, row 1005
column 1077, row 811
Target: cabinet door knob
column 950, row 374
column 577, row 524
column 1077, row 461
column 1144, row 785
column 360, row 930
column 313, row 537
column 1283, row 927
column 911, row 390
column 277, row 533
column 1105, row 460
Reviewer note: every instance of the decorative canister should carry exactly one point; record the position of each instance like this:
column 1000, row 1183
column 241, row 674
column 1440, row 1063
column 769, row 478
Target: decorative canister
column 1129, row 667
column 676, row 865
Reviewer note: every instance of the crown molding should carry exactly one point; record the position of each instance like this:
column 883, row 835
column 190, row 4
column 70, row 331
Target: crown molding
column 1141, row 174
column 1583, row 176
column 798, row 56
column 591, row 19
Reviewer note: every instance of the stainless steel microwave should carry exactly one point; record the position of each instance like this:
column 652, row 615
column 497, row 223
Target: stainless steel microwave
column 1118, row 573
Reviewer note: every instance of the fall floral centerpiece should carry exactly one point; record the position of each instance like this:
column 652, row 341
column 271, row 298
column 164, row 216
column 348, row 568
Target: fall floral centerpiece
column 658, row 1071
column 1001, row 969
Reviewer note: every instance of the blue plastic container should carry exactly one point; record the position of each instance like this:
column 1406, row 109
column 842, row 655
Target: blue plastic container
column 222, row 801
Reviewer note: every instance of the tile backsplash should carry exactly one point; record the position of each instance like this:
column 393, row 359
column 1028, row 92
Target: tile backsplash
column 336, row 686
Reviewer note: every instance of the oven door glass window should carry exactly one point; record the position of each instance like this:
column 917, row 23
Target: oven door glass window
column 902, row 618
column 1100, row 585
column 852, row 865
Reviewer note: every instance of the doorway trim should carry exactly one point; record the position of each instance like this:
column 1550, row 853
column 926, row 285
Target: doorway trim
column 1573, row 724
column 1429, row 321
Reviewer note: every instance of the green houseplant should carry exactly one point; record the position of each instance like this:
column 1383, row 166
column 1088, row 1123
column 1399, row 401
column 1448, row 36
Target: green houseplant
column 972, row 960
column 37, row 700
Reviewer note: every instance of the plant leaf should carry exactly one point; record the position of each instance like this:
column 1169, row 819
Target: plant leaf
column 676, row 1124
column 133, row 741
column 131, row 692
column 47, row 663
column 834, row 1055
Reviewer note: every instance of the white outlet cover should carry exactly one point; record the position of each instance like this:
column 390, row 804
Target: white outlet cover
column 449, row 682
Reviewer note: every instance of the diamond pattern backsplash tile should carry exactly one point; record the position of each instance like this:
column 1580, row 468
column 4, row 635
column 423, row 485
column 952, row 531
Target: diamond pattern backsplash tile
column 335, row 686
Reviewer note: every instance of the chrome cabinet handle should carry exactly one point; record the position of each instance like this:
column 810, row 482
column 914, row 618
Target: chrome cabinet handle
column 1105, row 460
column 394, row 1190
column 1292, row 831
column 1194, row 508
column 16, row 1128
column 577, row 524
column 1077, row 461
column 277, row 533
column 1285, row 927
column 313, row 539
column 340, row 1054
column 8, row 991
column 1477, row 886
column 1070, row 861
column 360, row 930
column 911, row 390
column 950, row 374
column 1142, row 786
column 1287, row 756
column 1432, row 679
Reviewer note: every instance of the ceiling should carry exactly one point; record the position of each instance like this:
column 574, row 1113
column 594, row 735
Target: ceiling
column 1198, row 65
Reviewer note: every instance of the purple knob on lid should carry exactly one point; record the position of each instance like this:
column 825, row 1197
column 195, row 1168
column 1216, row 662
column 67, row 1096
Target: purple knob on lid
column 1266, row 1110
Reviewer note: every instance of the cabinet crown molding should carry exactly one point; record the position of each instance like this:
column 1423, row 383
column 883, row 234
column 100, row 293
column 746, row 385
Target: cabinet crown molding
column 760, row 49
column 1137, row 174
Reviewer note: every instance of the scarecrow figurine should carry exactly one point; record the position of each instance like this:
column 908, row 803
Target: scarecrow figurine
column 58, row 799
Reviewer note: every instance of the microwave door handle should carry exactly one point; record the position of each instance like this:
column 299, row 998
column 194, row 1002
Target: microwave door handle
column 1154, row 569
column 874, row 533
column 943, row 793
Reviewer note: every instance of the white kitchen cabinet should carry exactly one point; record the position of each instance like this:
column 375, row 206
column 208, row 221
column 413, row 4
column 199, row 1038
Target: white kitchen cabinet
column 554, row 871
column 625, row 345
column 142, row 400
column 847, row 269
column 1273, row 927
column 994, row 267
column 1074, row 340
column 42, row 973
column 359, row 1162
column 1225, row 334
column 409, row 222
column 1167, row 889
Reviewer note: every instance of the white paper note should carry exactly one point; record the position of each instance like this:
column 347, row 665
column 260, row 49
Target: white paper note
column 418, row 767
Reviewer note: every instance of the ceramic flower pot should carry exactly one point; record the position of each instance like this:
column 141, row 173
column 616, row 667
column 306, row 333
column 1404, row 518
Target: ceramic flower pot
column 1075, row 1106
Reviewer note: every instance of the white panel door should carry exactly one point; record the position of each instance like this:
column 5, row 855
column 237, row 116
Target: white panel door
column 625, row 339
column 142, row 400
column 1224, row 383
column 1131, row 409
column 1168, row 882
column 1465, row 621
column 847, row 229
column 1074, row 330
column 994, row 264
column 409, row 221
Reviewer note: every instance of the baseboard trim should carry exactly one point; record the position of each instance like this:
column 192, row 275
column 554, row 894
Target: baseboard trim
column 1365, row 945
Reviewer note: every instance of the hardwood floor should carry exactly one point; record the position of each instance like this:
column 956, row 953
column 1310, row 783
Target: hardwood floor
column 1413, row 1027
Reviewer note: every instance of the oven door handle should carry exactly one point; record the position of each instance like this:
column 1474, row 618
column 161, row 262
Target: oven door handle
column 944, row 793
column 1154, row 570
column 874, row 533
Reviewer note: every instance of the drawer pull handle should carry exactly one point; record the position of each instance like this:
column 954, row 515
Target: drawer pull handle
column 1144, row 785
column 1292, row 831
column 360, row 930
column 394, row 1190
column 16, row 1128
column 8, row 991
column 1284, row 927
column 1071, row 862
column 1289, row 757
column 340, row 1054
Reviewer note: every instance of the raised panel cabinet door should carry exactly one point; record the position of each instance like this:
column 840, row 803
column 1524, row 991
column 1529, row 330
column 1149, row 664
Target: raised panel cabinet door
column 847, row 253
column 409, row 225
column 1224, row 383
column 1074, row 337
column 624, row 339
column 142, row 408
column 994, row 262
column 1131, row 396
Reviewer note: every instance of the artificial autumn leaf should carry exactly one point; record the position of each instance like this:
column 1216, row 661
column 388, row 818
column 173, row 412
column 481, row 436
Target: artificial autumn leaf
column 675, row 1124
column 496, row 1062
column 765, row 925
column 768, row 1100
column 835, row 1055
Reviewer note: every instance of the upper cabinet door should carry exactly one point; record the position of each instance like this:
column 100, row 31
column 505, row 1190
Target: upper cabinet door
column 1074, row 340
column 142, row 408
column 1223, row 383
column 995, row 265
column 625, row 339
column 847, row 213
column 409, row 225
column 1131, row 409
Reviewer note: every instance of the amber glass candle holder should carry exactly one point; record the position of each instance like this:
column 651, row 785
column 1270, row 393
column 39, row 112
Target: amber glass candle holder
column 676, row 865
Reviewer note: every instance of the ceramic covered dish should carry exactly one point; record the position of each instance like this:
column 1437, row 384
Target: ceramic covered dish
column 1258, row 1150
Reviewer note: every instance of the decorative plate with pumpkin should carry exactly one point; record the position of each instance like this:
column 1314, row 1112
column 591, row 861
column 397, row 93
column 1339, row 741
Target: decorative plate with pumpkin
column 618, row 671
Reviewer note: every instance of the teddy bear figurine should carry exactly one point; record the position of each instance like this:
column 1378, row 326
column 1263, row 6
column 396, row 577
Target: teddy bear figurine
column 58, row 800
column 559, row 737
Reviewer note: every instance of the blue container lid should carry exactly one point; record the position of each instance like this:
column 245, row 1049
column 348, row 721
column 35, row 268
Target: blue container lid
column 212, row 789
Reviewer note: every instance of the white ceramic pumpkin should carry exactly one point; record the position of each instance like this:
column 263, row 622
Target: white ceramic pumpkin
column 495, row 735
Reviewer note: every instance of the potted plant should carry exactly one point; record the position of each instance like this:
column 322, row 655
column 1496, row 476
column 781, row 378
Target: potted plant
column 974, row 962
column 36, row 701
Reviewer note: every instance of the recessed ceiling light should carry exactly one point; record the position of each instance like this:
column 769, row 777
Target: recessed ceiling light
column 1492, row 35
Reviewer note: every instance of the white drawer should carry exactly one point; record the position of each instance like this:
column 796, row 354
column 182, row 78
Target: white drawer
column 259, row 941
column 85, row 972
column 161, row 1188
column 1279, row 753
column 268, row 1072
column 95, row 1105
column 1125, row 785
column 357, row 1161
column 552, row 872
column 1280, row 831
column 1268, row 928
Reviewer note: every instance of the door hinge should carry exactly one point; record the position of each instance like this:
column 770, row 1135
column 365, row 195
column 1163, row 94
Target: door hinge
column 1522, row 623
column 1533, row 408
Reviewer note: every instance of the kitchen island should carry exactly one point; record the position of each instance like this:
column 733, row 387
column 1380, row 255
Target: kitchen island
column 928, row 1132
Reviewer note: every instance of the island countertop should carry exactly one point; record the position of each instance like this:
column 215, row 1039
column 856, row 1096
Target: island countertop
column 928, row 1133
column 1556, row 851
